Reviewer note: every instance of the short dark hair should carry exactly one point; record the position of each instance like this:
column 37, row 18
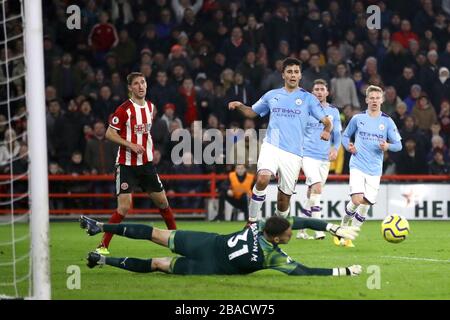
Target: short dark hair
column 320, row 81
column 276, row 225
column 133, row 76
column 291, row 62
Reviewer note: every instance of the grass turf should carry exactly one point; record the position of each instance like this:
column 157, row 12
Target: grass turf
column 404, row 269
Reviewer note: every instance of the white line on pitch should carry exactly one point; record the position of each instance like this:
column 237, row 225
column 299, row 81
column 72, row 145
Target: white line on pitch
column 420, row 259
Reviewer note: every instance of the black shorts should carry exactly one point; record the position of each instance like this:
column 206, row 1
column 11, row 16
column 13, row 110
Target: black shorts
column 128, row 178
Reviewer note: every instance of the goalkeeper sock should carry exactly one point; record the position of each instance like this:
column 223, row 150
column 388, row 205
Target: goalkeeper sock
column 168, row 218
column 360, row 215
column 350, row 210
column 133, row 231
column 131, row 264
column 115, row 218
column 256, row 202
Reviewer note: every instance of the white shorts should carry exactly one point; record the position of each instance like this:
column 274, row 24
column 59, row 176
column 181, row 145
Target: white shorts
column 366, row 184
column 287, row 165
column 315, row 170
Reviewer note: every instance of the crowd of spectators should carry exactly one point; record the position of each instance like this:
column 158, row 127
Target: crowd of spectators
column 198, row 55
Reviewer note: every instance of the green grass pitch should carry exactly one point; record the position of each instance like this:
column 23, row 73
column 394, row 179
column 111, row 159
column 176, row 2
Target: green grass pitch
column 418, row 268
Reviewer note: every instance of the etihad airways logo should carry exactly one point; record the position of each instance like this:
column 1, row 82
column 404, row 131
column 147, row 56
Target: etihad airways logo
column 287, row 111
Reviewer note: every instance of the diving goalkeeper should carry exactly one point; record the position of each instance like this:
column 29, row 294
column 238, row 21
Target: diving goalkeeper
column 202, row 253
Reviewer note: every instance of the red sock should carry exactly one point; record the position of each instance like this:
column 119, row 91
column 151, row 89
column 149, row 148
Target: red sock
column 115, row 218
column 168, row 218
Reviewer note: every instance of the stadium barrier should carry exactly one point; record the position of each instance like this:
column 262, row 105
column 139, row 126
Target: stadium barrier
column 415, row 196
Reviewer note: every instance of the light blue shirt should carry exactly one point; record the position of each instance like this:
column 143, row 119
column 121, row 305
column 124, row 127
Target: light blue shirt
column 315, row 147
column 289, row 114
column 369, row 132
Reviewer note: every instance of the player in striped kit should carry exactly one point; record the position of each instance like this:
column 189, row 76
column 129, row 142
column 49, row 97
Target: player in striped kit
column 129, row 127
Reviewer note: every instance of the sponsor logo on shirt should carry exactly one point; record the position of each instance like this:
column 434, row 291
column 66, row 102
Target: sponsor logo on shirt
column 284, row 112
column 142, row 128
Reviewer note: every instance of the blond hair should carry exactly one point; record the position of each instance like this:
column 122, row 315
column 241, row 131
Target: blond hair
column 373, row 88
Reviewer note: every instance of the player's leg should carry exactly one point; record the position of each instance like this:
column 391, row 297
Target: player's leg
column 125, row 182
column 372, row 185
column 221, row 211
column 160, row 200
column 266, row 167
column 316, row 209
column 129, row 230
column 259, row 194
column 315, row 198
column 130, row 264
column 357, row 190
column 187, row 266
column 288, row 172
column 152, row 184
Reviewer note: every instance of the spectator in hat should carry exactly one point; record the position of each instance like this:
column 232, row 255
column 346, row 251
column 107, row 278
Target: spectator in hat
column 414, row 94
column 180, row 6
column 441, row 88
column 169, row 115
column 178, row 55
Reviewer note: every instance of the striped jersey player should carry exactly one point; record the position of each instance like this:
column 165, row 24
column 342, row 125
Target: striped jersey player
column 130, row 127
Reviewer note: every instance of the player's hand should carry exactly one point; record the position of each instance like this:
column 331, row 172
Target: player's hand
column 325, row 135
column 351, row 148
column 332, row 155
column 233, row 105
column 136, row 148
column 230, row 193
column 344, row 231
column 384, row 145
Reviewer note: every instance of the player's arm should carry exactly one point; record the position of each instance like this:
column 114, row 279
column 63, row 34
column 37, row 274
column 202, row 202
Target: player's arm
column 395, row 143
column 242, row 108
column 321, row 225
column 326, row 133
column 113, row 135
column 336, row 137
column 348, row 133
column 317, row 112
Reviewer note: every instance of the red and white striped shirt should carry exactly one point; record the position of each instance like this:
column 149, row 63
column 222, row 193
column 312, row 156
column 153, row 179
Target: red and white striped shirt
column 133, row 123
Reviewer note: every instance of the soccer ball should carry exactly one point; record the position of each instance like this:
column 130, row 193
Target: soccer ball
column 394, row 228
